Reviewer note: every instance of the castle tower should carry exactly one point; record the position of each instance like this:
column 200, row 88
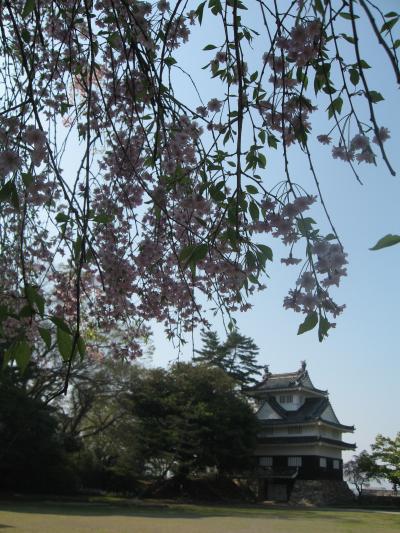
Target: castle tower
column 300, row 437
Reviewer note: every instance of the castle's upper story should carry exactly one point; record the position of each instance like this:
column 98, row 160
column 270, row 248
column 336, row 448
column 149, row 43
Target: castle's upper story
column 290, row 405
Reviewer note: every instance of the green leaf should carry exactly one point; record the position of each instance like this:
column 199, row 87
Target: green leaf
column 305, row 225
column 354, row 76
column 34, row 297
column 215, row 6
column 252, row 278
column 185, row 254
column 335, row 107
column 318, row 6
column 254, row 211
column 64, row 107
column 232, row 237
column 210, row 47
column 254, row 76
column 323, row 328
column 199, row 253
column 199, row 12
column 9, row 193
column 385, row 242
column 192, row 254
column 363, row 64
column 389, row 24
column 266, row 251
column 81, row 347
column 4, row 313
column 251, row 260
column 251, row 189
column 348, row 38
column 170, row 61
column 22, row 354
column 26, row 36
column 113, row 40
column 103, row 218
column 59, row 322
column 46, row 336
column 309, row 323
column 262, row 136
column 348, row 16
column 64, row 343
column 216, row 194
column 27, row 178
column 262, row 160
column 7, row 356
column 28, row 8
column 26, row 311
column 272, row 141
column 62, row 217
column 329, row 89
column 330, row 237
column 375, row 97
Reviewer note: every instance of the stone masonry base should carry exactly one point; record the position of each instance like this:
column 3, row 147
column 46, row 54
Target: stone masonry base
column 320, row 492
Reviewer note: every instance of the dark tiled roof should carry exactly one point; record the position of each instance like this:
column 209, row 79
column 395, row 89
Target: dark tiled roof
column 305, row 440
column 289, row 380
column 310, row 411
column 281, row 381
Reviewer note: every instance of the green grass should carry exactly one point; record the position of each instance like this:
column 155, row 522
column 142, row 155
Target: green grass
column 116, row 516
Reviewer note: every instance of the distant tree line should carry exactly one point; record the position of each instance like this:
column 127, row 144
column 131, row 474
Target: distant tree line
column 125, row 428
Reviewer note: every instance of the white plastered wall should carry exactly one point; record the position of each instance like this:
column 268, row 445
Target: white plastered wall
column 321, row 450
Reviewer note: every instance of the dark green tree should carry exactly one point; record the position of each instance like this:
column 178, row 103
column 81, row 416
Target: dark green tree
column 191, row 417
column 32, row 452
column 237, row 356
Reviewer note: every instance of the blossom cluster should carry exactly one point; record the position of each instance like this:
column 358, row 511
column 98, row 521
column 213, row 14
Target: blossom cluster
column 328, row 262
column 359, row 149
column 154, row 204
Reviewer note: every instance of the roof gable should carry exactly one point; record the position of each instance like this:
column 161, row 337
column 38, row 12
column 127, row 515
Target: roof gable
column 306, row 381
column 266, row 412
column 329, row 415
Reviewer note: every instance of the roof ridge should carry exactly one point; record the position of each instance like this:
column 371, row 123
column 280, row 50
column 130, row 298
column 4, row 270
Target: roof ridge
column 295, row 372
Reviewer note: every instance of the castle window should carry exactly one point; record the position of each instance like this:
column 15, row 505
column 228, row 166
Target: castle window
column 286, row 398
column 295, row 430
column 336, row 464
column 322, row 462
column 294, row 461
column 265, row 461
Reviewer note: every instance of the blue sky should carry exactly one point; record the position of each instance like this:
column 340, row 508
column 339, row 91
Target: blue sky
column 360, row 361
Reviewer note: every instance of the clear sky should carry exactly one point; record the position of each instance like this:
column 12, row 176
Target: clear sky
column 360, row 361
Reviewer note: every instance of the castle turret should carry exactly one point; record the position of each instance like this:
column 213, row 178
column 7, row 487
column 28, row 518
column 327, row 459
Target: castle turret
column 300, row 436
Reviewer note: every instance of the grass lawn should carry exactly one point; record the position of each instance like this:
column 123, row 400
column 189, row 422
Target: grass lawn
column 107, row 517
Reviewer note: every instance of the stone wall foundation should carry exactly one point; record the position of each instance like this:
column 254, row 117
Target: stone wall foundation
column 320, row 492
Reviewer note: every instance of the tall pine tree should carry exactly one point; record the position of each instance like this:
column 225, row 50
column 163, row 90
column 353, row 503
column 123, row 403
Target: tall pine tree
column 237, row 356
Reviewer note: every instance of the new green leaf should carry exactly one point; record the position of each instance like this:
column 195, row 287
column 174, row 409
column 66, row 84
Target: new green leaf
column 309, row 323
column 385, row 242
